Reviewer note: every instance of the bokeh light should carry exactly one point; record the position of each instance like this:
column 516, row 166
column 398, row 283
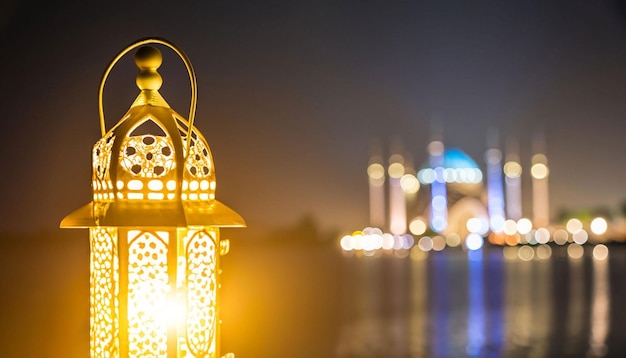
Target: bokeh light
column 474, row 241
column 526, row 253
column 574, row 225
column 539, row 171
column 409, row 183
column 599, row 226
column 396, row 170
column 600, row 252
column 524, row 226
column 417, row 226
column 425, row 243
column 453, row 240
column 560, row 237
column 580, row 237
column 512, row 169
column 439, row 243
column 473, row 225
column 542, row 235
column 575, row 251
column 543, row 252
column 510, row 227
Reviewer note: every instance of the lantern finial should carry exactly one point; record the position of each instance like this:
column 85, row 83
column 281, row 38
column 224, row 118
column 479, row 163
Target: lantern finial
column 148, row 59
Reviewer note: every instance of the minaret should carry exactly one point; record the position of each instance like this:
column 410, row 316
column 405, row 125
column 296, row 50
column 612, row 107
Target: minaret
column 376, row 175
column 513, row 180
column 438, row 192
column 539, row 172
column 397, row 200
column 495, row 194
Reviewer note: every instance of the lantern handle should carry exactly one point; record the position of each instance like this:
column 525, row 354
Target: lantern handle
column 190, row 71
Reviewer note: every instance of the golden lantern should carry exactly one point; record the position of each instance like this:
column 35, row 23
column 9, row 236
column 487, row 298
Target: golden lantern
column 153, row 227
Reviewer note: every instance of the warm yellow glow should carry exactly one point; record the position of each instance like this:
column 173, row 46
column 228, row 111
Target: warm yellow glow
column 417, row 226
column 135, row 184
column 376, row 171
column 185, row 185
column 212, row 185
column 539, row 171
column 396, row 170
column 155, row 184
column 574, row 225
column 512, row 169
column 135, row 196
column 599, row 226
column 171, row 196
column 155, row 196
column 193, row 196
column 409, row 183
column 171, row 185
column 524, row 226
column 194, row 185
column 204, row 185
column 204, row 196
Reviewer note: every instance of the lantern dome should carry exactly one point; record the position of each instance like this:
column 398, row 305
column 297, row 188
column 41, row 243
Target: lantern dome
column 152, row 168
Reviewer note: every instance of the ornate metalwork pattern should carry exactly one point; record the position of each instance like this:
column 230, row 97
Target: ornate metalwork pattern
column 104, row 281
column 148, row 288
column 101, row 157
column 199, row 178
column 201, row 291
column 198, row 162
column 147, row 156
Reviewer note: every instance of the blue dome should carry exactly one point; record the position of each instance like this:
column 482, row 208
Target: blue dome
column 457, row 159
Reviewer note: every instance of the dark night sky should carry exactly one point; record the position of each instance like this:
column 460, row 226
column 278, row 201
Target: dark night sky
column 292, row 94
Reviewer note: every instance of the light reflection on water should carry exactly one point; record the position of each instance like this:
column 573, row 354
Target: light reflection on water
column 479, row 304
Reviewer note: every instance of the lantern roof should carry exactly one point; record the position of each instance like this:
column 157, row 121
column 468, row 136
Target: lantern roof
column 153, row 168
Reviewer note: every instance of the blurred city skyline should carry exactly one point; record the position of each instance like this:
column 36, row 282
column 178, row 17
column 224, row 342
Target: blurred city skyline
column 291, row 96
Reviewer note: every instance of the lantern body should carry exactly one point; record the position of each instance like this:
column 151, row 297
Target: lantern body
column 154, row 292
column 154, row 232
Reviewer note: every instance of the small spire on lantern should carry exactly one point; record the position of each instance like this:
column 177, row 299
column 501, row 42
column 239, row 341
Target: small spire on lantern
column 148, row 59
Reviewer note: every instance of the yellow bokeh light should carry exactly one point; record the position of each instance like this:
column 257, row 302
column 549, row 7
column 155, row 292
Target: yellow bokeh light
column 512, row 169
column 409, row 183
column 599, row 226
column 396, row 170
column 376, row 171
column 453, row 239
column 417, row 226
column 539, row 171
column 574, row 225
